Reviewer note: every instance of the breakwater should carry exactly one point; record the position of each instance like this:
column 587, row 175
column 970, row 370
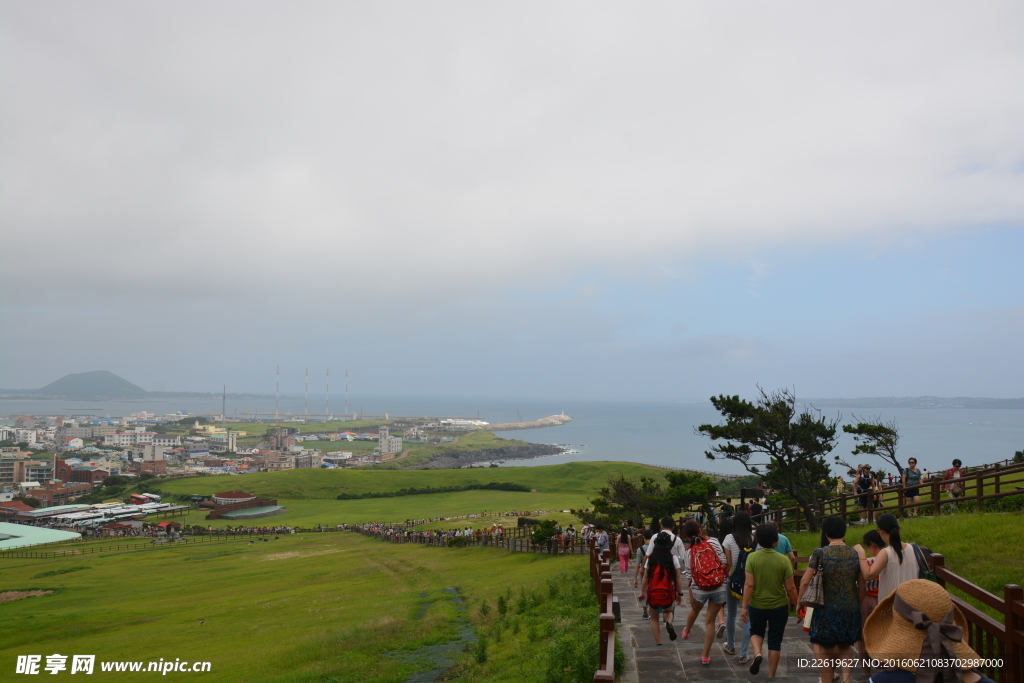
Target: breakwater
column 550, row 421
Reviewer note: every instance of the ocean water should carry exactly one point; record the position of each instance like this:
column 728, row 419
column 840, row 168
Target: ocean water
column 657, row 433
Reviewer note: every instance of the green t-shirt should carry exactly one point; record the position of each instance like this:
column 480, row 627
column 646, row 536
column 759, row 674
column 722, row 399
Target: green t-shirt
column 770, row 570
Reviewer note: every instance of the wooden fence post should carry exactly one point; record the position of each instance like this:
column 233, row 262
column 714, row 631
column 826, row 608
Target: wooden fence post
column 1014, row 624
column 938, row 562
column 997, row 468
column 979, row 485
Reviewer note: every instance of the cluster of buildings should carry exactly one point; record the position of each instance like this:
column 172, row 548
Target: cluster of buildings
column 55, row 459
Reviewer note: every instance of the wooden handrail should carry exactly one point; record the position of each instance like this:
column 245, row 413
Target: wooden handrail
column 977, row 478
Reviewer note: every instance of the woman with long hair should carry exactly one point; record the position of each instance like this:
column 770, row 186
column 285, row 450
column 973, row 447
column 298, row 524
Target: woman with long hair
column 874, row 544
column 704, row 563
column 895, row 564
column 662, row 587
column 737, row 545
column 625, row 549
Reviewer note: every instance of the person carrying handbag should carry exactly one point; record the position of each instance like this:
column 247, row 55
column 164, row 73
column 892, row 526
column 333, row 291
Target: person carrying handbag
column 836, row 622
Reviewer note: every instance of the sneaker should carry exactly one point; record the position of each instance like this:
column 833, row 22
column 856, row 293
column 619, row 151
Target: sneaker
column 742, row 660
column 672, row 632
column 756, row 665
column 721, row 631
column 728, row 650
column 705, row 660
column 686, row 634
column 646, row 616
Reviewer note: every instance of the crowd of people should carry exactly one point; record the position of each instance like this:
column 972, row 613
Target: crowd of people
column 408, row 534
column 867, row 598
column 869, row 486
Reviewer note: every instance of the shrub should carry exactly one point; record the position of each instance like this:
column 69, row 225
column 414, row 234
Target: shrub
column 502, row 606
column 480, row 650
column 485, row 609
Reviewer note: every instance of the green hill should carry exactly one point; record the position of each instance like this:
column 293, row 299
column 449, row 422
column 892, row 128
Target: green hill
column 96, row 384
column 579, row 478
column 301, row 609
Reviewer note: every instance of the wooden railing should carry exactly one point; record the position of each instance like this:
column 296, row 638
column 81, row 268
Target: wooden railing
column 989, row 638
column 986, row 636
column 601, row 575
column 1004, row 481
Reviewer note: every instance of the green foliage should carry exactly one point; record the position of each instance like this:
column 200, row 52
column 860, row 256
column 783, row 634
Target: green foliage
column 502, row 606
column 771, row 437
column 413, row 491
column 58, row 572
column 544, row 532
column 623, row 499
column 728, row 488
column 484, row 609
column 1018, row 457
column 115, row 480
column 571, row 654
column 480, row 649
column 874, row 437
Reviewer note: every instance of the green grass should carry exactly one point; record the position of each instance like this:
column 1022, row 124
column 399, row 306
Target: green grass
column 312, row 607
column 308, row 513
column 478, row 440
column 579, row 478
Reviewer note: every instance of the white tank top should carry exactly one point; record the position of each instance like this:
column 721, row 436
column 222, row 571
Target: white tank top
column 895, row 573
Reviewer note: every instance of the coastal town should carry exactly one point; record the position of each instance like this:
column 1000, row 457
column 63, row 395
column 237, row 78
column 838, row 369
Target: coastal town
column 53, row 460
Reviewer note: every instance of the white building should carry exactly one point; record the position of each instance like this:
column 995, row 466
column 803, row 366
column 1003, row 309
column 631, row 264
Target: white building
column 73, row 443
column 145, row 451
column 387, row 443
column 26, row 435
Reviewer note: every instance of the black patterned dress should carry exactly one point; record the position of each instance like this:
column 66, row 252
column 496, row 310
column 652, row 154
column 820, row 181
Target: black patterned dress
column 837, row 624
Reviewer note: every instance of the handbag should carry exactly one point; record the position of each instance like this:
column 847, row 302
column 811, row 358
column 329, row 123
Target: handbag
column 923, row 556
column 814, row 594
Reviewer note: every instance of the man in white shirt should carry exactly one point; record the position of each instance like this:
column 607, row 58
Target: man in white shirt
column 678, row 549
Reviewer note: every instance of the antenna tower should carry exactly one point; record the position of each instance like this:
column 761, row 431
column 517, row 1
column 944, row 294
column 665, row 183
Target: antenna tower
column 307, row 393
column 348, row 410
column 327, row 404
column 277, row 394
column 223, row 405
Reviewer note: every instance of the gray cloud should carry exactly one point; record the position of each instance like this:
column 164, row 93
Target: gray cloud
column 328, row 158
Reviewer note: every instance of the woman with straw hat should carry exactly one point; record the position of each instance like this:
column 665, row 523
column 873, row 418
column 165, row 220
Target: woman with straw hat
column 917, row 633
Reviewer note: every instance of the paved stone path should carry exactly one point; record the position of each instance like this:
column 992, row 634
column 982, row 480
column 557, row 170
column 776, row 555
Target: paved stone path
column 647, row 662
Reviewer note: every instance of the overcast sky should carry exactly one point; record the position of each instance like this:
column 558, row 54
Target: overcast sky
column 605, row 200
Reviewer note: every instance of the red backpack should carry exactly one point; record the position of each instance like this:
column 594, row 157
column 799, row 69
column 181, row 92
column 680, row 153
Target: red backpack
column 661, row 589
column 705, row 566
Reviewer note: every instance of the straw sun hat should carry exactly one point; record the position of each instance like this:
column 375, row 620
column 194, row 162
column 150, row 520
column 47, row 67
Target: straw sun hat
column 919, row 621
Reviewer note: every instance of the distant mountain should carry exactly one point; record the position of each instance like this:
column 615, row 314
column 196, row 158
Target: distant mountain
column 916, row 402
column 96, row 384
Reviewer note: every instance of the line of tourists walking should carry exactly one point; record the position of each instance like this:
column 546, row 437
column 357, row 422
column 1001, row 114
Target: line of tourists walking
column 875, row 597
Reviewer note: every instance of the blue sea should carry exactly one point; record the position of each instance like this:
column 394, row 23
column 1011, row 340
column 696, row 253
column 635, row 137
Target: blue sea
column 656, row 433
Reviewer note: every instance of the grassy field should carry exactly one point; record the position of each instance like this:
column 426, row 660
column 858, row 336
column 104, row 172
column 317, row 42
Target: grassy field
column 579, row 478
column 317, row 607
column 418, row 454
column 307, row 513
